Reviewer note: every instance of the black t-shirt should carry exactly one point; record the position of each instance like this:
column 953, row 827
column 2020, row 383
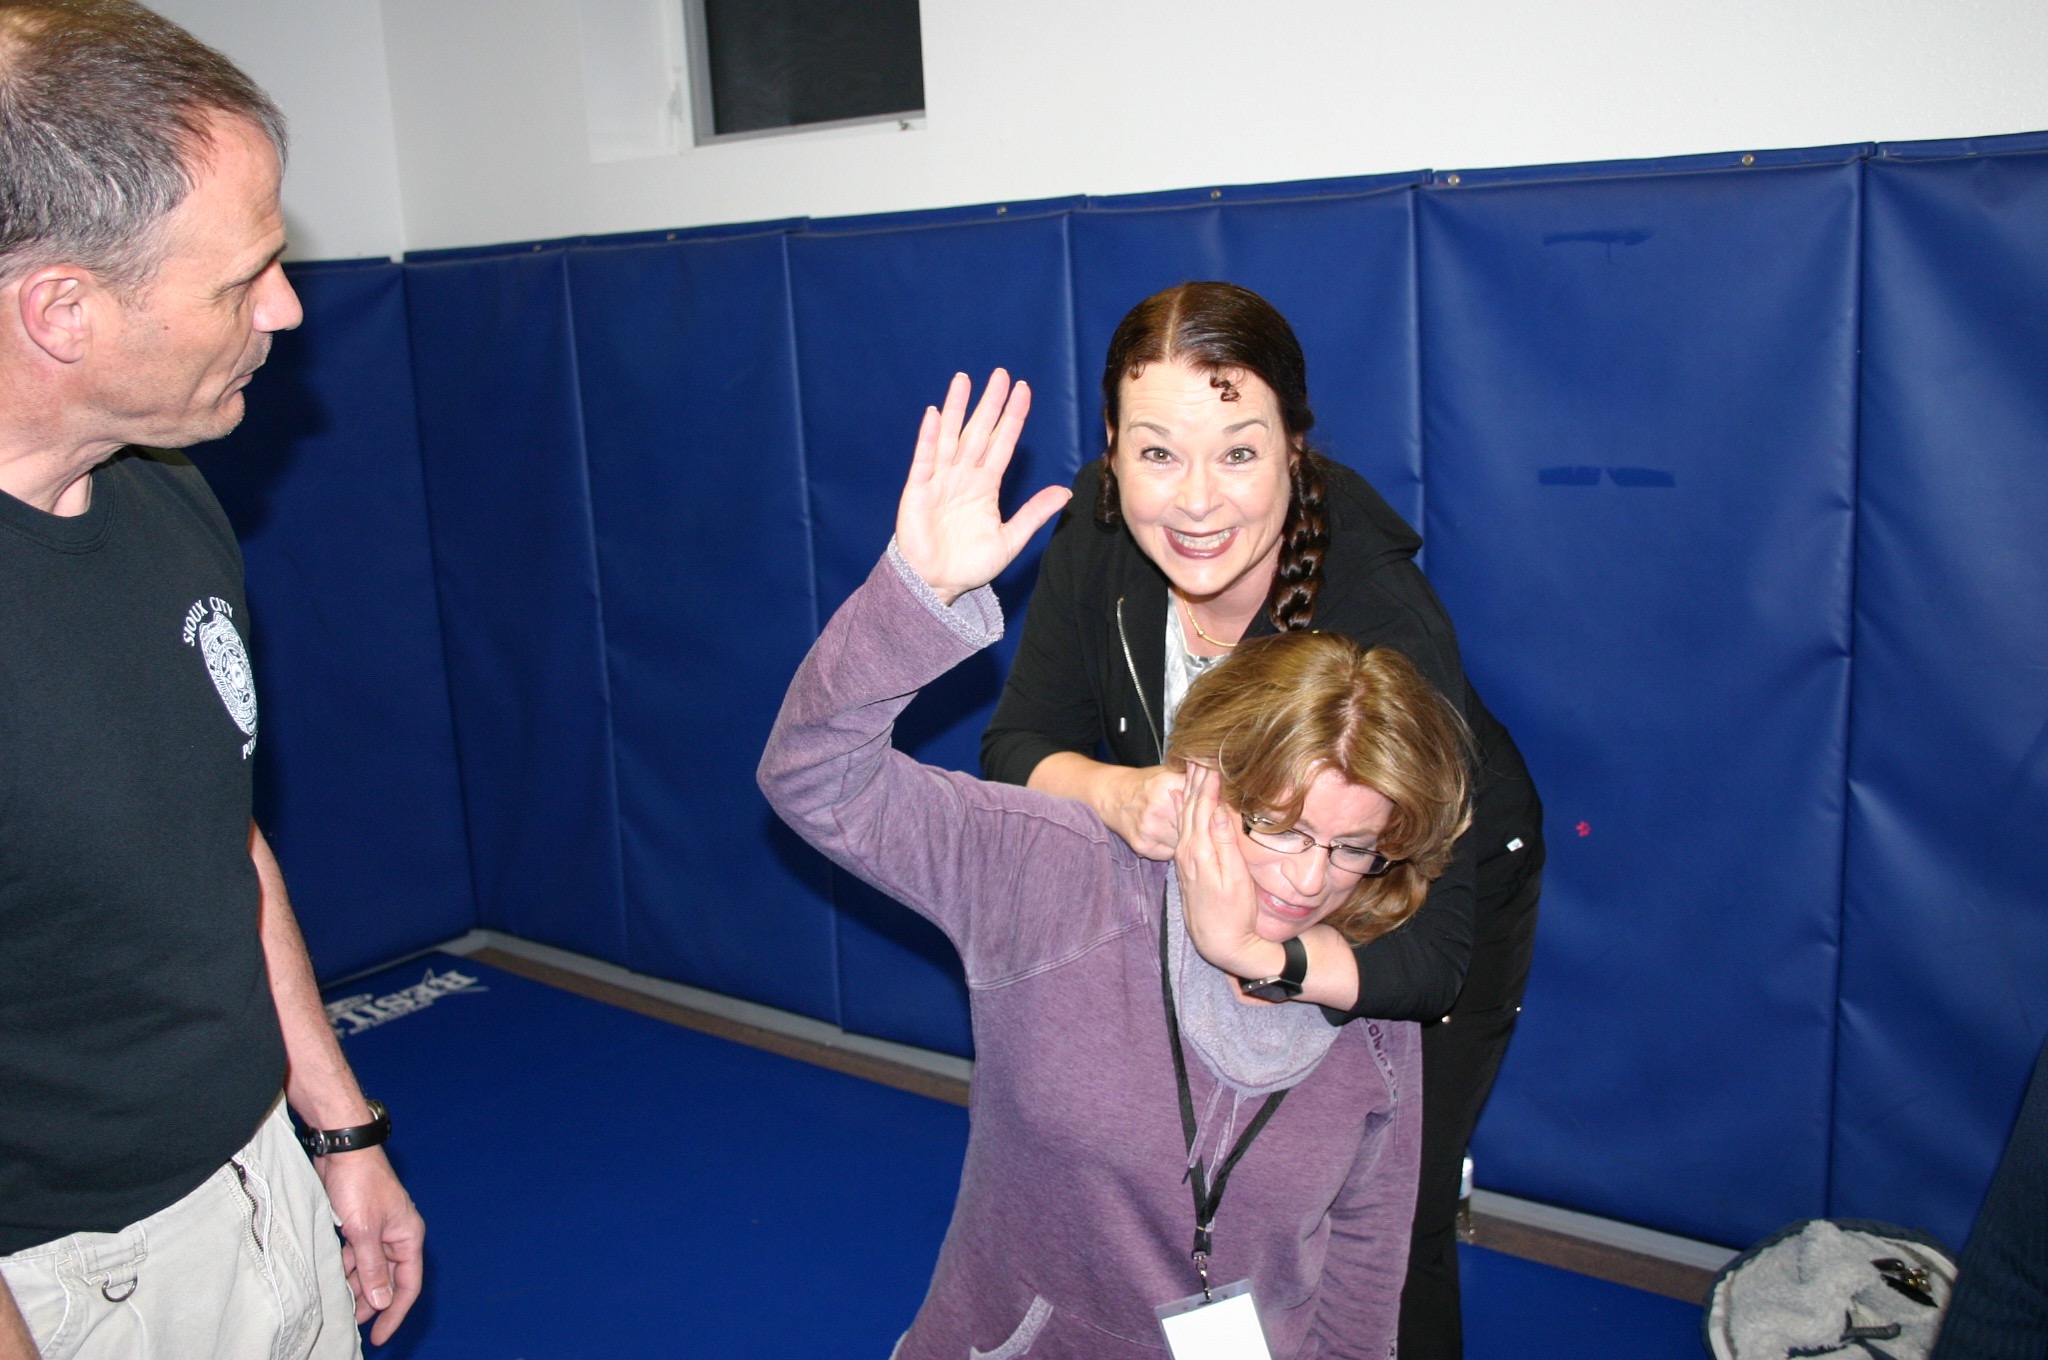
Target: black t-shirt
column 139, row 1045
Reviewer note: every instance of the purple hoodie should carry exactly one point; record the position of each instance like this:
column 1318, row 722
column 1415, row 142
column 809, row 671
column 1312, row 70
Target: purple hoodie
column 1074, row 1221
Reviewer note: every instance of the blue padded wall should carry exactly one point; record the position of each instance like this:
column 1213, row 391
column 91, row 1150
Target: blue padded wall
column 1639, row 432
column 703, row 544
column 1945, row 930
column 355, row 772
column 501, row 433
column 1764, row 614
column 885, row 315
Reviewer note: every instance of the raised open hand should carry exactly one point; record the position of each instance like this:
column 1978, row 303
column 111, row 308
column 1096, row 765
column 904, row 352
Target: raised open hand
column 949, row 526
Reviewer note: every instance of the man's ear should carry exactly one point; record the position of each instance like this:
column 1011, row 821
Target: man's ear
column 56, row 305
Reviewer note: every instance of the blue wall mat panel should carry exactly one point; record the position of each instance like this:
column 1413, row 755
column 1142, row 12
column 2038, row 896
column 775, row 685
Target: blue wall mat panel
column 1639, row 428
column 1625, row 400
column 356, row 785
column 1945, row 931
column 1341, row 270
column 703, row 543
column 883, row 320
column 509, row 500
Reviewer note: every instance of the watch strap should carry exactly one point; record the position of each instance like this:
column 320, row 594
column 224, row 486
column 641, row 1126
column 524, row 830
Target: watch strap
column 1296, row 971
column 1286, row 984
column 323, row 1142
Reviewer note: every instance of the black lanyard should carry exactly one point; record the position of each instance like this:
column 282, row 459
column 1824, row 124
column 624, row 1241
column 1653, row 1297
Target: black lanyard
column 1207, row 1196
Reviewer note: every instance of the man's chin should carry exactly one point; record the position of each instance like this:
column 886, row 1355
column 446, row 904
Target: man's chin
column 230, row 415
column 215, row 424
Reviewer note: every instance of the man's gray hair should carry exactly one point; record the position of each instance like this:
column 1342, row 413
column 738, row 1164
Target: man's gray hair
column 103, row 111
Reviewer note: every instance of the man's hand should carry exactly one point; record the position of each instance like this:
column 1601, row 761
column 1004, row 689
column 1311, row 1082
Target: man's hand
column 15, row 1341
column 381, row 1230
column 382, row 1235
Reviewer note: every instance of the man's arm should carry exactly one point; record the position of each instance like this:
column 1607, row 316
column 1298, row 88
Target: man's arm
column 381, row 1231
column 15, row 1342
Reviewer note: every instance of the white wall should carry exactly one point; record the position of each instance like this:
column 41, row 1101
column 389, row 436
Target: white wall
column 323, row 62
column 1053, row 97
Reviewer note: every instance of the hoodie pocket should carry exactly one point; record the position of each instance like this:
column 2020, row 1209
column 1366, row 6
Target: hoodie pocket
column 1019, row 1342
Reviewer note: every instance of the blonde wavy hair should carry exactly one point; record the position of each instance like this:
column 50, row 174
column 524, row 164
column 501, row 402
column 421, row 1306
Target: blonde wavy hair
column 1284, row 708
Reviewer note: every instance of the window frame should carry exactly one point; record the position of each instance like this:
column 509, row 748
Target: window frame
column 704, row 114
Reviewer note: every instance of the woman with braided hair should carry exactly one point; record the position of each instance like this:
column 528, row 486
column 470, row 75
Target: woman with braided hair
column 1123, row 1083
column 1208, row 521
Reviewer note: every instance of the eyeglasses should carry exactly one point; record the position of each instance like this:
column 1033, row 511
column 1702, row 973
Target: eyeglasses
column 1292, row 840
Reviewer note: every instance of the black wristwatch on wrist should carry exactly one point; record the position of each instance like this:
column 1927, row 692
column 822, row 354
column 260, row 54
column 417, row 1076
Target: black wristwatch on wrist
column 323, row 1142
column 1285, row 985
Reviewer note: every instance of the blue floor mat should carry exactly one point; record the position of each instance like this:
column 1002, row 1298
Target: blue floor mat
column 1520, row 1310
column 599, row 1185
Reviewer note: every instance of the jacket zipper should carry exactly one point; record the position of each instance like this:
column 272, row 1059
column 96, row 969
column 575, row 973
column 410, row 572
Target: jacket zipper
column 1132, row 666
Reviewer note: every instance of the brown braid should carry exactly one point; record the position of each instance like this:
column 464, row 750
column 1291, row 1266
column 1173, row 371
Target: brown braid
column 1298, row 578
column 1109, row 506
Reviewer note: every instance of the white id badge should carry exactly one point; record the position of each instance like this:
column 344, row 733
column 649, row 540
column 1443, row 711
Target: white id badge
column 1223, row 1327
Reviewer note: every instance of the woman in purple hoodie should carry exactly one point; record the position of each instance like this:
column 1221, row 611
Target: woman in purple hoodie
column 1123, row 1082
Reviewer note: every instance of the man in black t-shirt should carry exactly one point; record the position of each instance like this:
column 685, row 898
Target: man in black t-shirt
column 157, row 1007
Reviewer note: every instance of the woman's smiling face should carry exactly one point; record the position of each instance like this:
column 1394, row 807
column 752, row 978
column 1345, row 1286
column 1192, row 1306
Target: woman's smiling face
column 1204, row 481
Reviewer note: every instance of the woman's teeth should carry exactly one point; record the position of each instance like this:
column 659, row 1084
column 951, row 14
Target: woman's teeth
column 1281, row 908
column 1201, row 542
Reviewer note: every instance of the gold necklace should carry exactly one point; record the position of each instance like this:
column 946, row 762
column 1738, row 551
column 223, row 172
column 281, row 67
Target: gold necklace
column 1189, row 610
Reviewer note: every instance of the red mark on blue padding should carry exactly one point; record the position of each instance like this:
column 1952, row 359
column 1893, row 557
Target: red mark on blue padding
column 1584, row 828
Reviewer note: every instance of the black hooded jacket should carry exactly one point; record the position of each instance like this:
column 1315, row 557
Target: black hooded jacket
column 1090, row 677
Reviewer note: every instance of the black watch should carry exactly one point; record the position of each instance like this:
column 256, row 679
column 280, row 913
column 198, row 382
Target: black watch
column 321, row 1142
column 1287, row 984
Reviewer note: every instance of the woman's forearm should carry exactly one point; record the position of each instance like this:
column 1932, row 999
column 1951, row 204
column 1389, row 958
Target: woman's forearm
column 1069, row 774
column 1139, row 803
column 1332, row 969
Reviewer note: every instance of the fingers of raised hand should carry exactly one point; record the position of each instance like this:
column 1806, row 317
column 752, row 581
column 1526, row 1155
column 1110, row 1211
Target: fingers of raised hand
column 995, row 396
column 1010, row 425
column 952, row 414
column 983, row 441
column 925, row 455
column 1034, row 514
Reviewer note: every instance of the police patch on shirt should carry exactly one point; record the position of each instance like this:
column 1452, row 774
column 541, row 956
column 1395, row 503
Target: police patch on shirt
column 209, row 626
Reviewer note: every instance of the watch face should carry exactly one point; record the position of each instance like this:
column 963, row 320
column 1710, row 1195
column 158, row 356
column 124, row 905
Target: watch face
column 1273, row 989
